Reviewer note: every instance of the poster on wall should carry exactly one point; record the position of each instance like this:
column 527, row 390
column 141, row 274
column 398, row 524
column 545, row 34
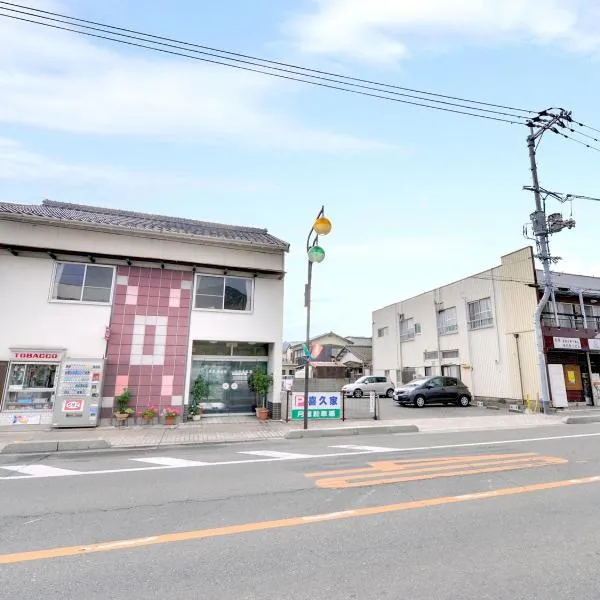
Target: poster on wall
column 321, row 405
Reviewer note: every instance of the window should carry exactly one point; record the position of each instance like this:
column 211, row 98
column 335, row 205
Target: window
column 428, row 371
column 450, row 382
column 447, row 322
column 451, row 371
column 407, row 330
column 223, row 293
column 450, row 354
column 437, row 382
column 383, row 331
column 430, row 355
column 417, row 328
column 408, row 374
column 480, row 313
column 78, row 282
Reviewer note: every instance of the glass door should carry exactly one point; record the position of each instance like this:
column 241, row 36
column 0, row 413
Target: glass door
column 227, row 379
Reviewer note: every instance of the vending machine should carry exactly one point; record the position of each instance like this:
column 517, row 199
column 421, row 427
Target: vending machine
column 79, row 393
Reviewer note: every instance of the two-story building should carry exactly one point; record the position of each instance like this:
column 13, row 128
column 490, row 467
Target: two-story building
column 481, row 330
column 158, row 300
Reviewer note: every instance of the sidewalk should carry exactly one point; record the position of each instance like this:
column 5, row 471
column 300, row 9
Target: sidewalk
column 244, row 429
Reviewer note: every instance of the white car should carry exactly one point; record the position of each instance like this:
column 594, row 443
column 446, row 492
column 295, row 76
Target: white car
column 382, row 386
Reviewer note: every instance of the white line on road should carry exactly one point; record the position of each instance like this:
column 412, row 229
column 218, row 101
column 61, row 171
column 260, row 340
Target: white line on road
column 167, row 461
column 368, row 448
column 41, row 471
column 27, row 472
column 275, row 454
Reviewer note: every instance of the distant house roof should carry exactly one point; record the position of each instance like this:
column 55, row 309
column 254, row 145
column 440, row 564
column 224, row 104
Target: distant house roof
column 343, row 340
column 118, row 219
column 362, row 353
column 360, row 341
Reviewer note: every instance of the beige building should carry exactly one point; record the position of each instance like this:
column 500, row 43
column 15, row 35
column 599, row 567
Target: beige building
column 479, row 329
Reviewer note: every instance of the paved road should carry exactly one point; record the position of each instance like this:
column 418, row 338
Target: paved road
column 496, row 514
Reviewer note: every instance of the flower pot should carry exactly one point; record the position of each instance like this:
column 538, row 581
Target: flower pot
column 148, row 420
column 170, row 420
column 196, row 417
column 121, row 416
column 262, row 414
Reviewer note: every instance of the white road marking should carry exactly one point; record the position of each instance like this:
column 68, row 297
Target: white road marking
column 36, row 471
column 166, row 461
column 41, row 471
column 275, row 454
column 368, row 448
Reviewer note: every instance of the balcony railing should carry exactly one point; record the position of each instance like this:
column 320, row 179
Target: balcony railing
column 570, row 321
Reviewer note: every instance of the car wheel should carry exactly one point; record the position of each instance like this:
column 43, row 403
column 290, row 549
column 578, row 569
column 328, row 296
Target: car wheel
column 389, row 393
column 358, row 393
column 464, row 401
column 419, row 401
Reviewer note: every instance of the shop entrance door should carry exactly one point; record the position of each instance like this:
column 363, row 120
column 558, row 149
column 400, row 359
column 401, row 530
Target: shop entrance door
column 573, row 382
column 227, row 379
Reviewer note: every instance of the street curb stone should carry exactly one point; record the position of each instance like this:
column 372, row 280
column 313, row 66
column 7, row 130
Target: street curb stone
column 582, row 419
column 53, row 446
column 343, row 431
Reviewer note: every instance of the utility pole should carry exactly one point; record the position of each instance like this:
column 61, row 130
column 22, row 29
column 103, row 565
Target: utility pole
column 544, row 121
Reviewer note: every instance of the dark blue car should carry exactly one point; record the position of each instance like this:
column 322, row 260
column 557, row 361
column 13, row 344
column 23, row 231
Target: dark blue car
column 433, row 390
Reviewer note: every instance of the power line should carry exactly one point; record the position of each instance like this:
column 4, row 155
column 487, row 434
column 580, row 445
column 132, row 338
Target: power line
column 514, row 119
column 254, row 59
column 568, row 137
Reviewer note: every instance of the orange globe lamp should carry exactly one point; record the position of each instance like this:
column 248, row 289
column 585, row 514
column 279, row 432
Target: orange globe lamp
column 322, row 226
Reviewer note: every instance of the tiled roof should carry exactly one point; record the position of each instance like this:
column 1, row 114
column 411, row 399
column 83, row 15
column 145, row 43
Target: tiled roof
column 124, row 219
column 363, row 353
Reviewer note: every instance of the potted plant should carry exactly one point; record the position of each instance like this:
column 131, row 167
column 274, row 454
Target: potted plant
column 200, row 391
column 123, row 411
column 170, row 414
column 260, row 382
column 148, row 414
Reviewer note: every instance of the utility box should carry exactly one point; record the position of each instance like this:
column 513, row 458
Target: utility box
column 79, row 393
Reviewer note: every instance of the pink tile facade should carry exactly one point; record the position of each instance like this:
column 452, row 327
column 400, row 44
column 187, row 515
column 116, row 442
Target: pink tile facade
column 149, row 330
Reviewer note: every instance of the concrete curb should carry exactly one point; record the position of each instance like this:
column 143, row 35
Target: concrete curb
column 53, row 446
column 582, row 419
column 296, row 434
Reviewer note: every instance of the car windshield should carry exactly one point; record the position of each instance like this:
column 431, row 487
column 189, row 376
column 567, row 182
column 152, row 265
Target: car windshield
column 416, row 382
column 361, row 380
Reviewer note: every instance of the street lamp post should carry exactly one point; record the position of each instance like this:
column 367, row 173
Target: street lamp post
column 315, row 254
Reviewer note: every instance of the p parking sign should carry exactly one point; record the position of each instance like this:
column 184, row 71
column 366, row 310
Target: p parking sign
column 321, row 405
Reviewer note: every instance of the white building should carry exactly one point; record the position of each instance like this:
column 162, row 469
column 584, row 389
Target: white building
column 481, row 330
column 159, row 300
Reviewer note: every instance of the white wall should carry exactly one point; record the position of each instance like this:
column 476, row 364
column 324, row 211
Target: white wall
column 264, row 324
column 486, row 356
column 28, row 319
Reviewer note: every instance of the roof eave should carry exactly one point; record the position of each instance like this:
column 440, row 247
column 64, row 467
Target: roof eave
column 102, row 228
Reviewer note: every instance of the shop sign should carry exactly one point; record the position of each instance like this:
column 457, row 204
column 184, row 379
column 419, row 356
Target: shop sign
column 594, row 344
column 321, row 405
column 567, row 343
column 37, row 356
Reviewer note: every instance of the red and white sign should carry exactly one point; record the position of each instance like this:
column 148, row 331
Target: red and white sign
column 37, row 355
column 75, row 405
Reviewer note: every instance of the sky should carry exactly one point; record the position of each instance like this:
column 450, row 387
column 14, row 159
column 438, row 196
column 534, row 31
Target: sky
column 418, row 198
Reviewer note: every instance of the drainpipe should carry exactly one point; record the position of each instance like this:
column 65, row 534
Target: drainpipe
column 582, row 307
column 519, row 363
column 556, row 322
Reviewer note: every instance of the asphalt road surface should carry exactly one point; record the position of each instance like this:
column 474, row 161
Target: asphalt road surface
column 495, row 514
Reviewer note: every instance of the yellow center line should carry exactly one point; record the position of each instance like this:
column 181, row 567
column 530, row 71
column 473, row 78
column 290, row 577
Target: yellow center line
column 200, row 534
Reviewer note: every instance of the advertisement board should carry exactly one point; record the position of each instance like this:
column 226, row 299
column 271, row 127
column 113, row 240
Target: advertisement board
column 321, row 405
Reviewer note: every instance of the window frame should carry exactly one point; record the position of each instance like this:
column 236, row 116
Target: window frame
column 480, row 322
column 109, row 302
column 447, row 326
column 225, row 310
column 383, row 331
column 409, row 334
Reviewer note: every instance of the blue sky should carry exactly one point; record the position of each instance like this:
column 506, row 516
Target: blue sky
column 417, row 198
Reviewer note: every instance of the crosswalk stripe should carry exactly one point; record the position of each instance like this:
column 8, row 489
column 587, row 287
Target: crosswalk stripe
column 166, row 461
column 368, row 448
column 40, row 471
column 275, row 454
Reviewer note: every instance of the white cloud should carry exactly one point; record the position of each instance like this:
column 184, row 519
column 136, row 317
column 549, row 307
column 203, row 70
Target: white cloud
column 63, row 82
column 17, row 163
column 378, row 29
